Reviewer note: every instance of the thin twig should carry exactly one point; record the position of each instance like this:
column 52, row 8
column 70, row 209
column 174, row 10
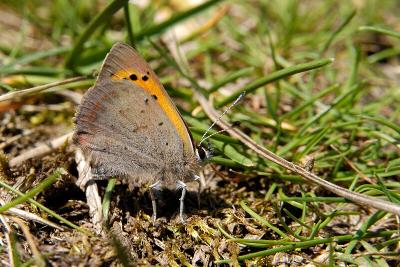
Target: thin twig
column 310, row 177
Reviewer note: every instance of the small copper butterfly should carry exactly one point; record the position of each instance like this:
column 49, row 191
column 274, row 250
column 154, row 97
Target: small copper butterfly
column 127, row 126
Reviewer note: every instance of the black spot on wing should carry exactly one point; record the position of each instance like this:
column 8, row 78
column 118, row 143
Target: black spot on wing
column 145, row 77
column 133, row 77
column 155, row 97
column 82, row 132
column 160, row 123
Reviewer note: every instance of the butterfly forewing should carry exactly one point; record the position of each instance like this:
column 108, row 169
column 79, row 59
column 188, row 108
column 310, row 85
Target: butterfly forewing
column 124, row 131
column 124, row 63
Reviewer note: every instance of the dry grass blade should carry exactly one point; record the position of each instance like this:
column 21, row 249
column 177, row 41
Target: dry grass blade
column 32, row 217
column 13, row 255
column 41, row 150
column 27, row 216
column 37, row 89
column 209, row 24
column 338, row 190
column 87, row 183
column 14, row 139
column 32, row 244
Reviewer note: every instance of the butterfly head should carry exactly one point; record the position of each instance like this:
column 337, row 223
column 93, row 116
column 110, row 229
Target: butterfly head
column 203, row 153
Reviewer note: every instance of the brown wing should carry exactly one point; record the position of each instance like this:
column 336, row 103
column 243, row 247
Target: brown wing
column 124, row 63
column 123, row 130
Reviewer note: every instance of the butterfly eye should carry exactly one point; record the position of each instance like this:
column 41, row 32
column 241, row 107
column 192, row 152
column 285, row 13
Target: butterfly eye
column 202, row 153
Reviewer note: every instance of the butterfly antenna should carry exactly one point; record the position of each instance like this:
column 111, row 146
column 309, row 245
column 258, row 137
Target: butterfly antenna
column 203, row 138
column 221, row 131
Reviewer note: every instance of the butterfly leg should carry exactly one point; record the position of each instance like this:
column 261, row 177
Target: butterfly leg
column 197, row 179
column 153, row 188
column 181, row 200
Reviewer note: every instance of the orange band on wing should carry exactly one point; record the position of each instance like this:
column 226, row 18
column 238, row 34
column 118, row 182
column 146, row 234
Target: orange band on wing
column 153, row 87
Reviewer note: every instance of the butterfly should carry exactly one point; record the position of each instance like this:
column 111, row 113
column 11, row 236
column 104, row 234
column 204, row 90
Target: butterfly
column 127, row 126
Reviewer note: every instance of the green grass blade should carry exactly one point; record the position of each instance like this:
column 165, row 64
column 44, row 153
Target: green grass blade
column 39, row 188
column 129, row 29
column 301, row 245
column 280, row 74
column 363, row 230
column 230, row 78
column 223, row 161
column 180, row 16
column 343, row 25
column 15, row 256
column 36, row 56
column 96, row 22
column 261, row 220
column 297, row 111
column 42, row 71
column 232, row 153
column 324, row 112
column 312, row 143
column 382, row 121
column 45, row 209
column 107, row 198
column 380, row 30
